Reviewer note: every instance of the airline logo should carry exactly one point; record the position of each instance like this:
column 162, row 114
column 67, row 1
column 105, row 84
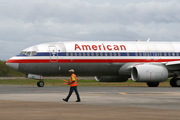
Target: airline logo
column 100, row 47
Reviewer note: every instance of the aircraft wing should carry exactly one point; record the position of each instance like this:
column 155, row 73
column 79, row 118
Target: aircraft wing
column 174, row 65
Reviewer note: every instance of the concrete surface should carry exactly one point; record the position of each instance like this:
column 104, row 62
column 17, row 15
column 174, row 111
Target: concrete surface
column 101, row 103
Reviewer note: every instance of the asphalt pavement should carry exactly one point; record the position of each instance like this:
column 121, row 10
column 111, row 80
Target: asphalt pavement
column 131, row 102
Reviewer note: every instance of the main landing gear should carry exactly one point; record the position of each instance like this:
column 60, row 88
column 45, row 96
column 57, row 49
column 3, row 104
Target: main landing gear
column 175, row 82
column 40, row 83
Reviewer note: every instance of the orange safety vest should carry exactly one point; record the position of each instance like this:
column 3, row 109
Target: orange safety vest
column 75, row 82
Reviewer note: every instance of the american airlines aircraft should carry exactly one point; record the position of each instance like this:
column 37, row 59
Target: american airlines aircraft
column 108, row 61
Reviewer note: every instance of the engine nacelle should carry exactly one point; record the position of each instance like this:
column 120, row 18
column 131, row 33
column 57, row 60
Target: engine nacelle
column 149, row 73
column 110, row 79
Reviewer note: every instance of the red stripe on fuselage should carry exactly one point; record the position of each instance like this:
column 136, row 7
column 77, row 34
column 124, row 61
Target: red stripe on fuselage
column 87, row 60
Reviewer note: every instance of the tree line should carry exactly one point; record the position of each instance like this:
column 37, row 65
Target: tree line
column 5, row 71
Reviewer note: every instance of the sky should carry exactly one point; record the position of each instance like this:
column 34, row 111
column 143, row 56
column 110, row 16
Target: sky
column 24, row 23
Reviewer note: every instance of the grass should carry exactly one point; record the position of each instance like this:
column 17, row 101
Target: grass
column 6, row 71
column 88, row 83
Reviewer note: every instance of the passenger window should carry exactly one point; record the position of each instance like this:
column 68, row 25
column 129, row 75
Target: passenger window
column 136, row 54
column 144, row 54
column 105, row 54
column 177, row 54
column 110, row 54
column 173, row 54
column 169, row 54
column 75, row 54
column 101, row 54
column 127, row 54
column 119, row 54
column 84, row 54
column 96, row 54
column 71, row 54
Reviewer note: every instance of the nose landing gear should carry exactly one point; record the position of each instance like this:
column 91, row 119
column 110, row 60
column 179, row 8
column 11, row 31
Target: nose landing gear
column 36, row 77
column 40, row 83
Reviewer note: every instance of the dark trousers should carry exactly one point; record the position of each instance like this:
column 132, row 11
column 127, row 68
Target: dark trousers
column 71, row 91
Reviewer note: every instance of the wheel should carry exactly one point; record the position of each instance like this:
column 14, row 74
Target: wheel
column 178, row 82
column 40, row 84
column 153, row 84
column 175, row 82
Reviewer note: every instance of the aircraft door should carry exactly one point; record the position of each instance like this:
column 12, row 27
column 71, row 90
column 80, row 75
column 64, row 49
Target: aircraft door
column 53, row 54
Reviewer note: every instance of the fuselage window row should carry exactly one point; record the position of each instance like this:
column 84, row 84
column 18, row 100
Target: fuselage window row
column 122, row 54
column 149, row 54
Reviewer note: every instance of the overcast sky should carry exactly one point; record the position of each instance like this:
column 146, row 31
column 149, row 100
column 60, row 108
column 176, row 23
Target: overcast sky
column 24, row 23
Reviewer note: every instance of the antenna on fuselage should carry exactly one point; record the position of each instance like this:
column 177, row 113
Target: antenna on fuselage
column 148, row 40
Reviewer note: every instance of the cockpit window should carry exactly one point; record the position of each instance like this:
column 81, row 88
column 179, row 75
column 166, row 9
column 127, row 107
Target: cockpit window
column 23, row 53
column 28, row 53
column 34, row 53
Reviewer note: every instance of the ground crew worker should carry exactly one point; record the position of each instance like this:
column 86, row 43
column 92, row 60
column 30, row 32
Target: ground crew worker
column 73, row 87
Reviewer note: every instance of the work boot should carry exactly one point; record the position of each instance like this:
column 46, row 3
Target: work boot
column 65, row 100
column 78, row 100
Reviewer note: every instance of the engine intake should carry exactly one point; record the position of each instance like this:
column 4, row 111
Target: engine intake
column 149, row 73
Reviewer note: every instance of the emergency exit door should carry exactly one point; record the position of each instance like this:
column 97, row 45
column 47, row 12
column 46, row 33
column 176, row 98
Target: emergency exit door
column 53, row 54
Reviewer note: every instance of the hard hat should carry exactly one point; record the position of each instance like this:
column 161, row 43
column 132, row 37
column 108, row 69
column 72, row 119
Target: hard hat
column 71, row 70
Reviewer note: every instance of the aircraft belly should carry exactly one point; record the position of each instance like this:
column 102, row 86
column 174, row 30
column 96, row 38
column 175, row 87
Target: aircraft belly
column 85, row 69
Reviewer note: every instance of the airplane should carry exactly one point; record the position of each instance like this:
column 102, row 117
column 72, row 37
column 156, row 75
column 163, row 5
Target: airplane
column 108, row 61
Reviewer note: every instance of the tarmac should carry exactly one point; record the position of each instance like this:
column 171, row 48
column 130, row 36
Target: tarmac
column 97, row 103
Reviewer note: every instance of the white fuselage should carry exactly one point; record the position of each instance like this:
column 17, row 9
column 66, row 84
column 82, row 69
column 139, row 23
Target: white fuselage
column 102, row 58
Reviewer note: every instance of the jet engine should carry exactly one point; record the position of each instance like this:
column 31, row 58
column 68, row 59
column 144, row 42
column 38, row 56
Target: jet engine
column 110, row 79
column 149, row 73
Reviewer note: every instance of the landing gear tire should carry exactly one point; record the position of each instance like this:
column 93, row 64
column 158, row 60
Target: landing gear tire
column 40, row 84
column 175, row 82
column 153, row 84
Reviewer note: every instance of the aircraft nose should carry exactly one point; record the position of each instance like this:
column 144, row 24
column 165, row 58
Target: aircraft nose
column 14, row 66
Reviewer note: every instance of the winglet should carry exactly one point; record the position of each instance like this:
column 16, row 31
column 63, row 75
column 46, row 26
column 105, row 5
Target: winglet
column 148, row 40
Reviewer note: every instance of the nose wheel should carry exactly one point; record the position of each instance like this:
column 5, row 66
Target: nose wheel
column 40, row 84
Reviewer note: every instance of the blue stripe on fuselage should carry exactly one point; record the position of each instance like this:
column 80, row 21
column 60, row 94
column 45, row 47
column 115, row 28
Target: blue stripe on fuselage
column 106, row 54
